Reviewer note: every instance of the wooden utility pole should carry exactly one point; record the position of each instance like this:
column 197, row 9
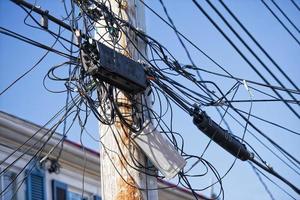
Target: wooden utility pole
column 119, row 180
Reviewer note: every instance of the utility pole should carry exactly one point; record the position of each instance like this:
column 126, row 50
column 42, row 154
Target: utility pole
column 119, row 181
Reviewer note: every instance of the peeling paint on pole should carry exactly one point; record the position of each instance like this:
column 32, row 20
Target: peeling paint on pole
column 119, row 181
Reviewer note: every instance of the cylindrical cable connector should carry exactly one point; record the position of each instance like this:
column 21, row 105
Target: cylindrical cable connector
column 220, row 136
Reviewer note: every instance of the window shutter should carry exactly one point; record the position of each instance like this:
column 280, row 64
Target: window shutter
column 8, row 179
column 59, row 190
column 96, row 197
column 35, row 187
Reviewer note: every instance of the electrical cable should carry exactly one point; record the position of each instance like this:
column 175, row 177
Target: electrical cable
column 258, row 44
column 241, row 54
column 247, row 46
column 274, row 173
column 168, row 81
column 295, row 4
column 32, row 42
column 262, row 182
column 281, row 23
column 285, row 15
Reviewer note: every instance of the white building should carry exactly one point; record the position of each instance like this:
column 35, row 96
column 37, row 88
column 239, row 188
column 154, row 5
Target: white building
column 41, row 181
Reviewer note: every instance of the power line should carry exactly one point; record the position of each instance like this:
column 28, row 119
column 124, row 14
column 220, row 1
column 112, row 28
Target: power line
column 258, row 44
column 295, row 4
column 242, row 79
column 269, row 122
column 169, row 90
column 248, row 47
column 34, row 43
column 285, row 15
column 263, row 100
column 189, row 56
column 262, row 143
column 281, row 188
column 184, row 37
column 262, row 182
column 29, row 70
column 271, row 171
column 281, row 23
column 242, row 55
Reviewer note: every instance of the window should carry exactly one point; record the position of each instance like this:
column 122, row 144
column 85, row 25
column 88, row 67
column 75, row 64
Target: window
column 75, row 196
column 60, row 192
column 9, row 185
column 96, row 197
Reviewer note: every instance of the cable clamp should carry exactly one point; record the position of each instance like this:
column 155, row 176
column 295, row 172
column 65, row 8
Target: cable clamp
column 247, row 88
column 77, row 36
column 44, row 20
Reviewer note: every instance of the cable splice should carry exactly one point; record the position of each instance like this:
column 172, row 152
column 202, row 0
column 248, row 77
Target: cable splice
column 220, row 136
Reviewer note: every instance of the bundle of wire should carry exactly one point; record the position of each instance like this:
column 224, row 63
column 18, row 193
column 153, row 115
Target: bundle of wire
column 87, row 94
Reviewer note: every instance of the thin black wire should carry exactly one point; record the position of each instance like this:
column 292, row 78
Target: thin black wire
column 264, row 100
column 241, row 54
column 188, row 55
column 28, row 149
column 247, row 80
column 262, row 182
column 29, row 70
column 290, row 157
column 248, row 47
column 285, row 15
column 281, row 23
column 272, row 123
column 295, row 4
column 36, row 154
column 32, row 42
column 266, row 146
column 258, row 44
column 276, row 184
column 183, row 36
column 162, row 82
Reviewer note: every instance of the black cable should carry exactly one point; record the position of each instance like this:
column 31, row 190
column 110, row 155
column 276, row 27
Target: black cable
column 275, row 183
column 264, row 100
column 184, row 37
column 281, row 23
column 274, row 173
column 295, row 4
column 188, row 54
column 241, row 54
column 30, row 69
column 248, row 47
column 282, row 150
column 25, row 73
column 272, row 123
column 285, row 15
column 247, row 80
column 262, row 143
column 35, row 155
column 34, row 145
column 32, row 42
column 32, row 136
column 262, row 182
column 258, row 44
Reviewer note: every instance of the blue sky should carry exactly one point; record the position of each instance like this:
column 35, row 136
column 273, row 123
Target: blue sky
column 29, row 100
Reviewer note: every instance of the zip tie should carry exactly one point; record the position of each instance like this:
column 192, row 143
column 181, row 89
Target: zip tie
column 247, row 88
column 44, row 20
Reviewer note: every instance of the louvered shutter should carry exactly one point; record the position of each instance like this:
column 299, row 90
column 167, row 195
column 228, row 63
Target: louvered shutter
column 35, row 187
